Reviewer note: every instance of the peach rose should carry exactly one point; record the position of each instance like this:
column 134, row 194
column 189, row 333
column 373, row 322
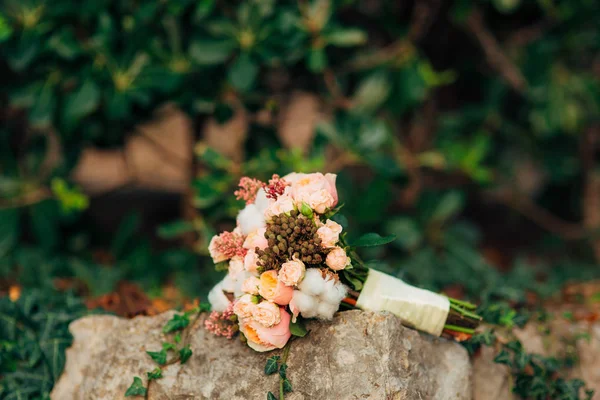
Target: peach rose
column 329, row 233
column 236, row 265
column 267, row 314
column 283, row 204
column 337, row 259
column 256, row 239
column 216, row 255
column 261, row 338
column 250, row 285
column 250, row 262
column 292, row 272
column 317, row 190
column 244, row 307
column 271, row 288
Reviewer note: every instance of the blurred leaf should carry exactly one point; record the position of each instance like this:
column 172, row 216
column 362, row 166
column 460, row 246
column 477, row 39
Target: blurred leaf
column 9, row 230
column 346, row 37
column 211, row 52
column 45, row 223
column 450, row 204
column 127, row 228
column 243, row 72
column 317, row 60
column 373, row 239
column 408, row 233
column 372, row 92
column 175, row 229
column 80, row 103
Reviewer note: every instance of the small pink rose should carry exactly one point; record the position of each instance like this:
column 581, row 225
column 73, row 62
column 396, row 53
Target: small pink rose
column 250, row 285
column 267, row 314
column 329, row 233
column 292, row 272
column 271, row 288
column 337, row 259
column 256, row 239
column 317, row 190
column 283, row 204
column 244, row 307
column 250, row 262
column 261, row 338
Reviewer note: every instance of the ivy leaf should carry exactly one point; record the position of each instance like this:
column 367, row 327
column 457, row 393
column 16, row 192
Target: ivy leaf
column 159, row 357
column 503, row 358
column 243, row 72
column 271, row 366
column 271, row 396
column 184, row 354
column 373, row 239
column 297, row 328
column 283, row 371
column 287, row 386
column 169, row 346
column 177, row 338
column 154, row 374
column 176, row 323
column 136, row 388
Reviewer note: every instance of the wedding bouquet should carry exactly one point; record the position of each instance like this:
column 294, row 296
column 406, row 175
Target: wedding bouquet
column 288, row 259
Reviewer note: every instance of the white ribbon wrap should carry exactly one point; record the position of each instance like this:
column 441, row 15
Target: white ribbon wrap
column 418, row 308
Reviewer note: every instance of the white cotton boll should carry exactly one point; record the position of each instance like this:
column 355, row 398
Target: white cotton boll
column 326, row 310
column 304, row 302
column 313, row 282
column 250, row 219
column 217, row 299
column 335, row 294
column 238, row 281
column 262, row 201
column 228, row 283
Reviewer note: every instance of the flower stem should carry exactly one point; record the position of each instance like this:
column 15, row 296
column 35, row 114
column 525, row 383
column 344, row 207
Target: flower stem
column 284, row 357
column 463, row 304
column 464, row 312
column 457, row 328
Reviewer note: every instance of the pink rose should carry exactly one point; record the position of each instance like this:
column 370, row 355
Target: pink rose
column 292, row 272
column 261, row 338
column 244, row 307
column 250, row 285
column 329, row 233
column 267, row 314
column 271, row 288
column 215, row 250
column 250, row 262
column 337, row 259
column 317, row 190
column 283, row 204
column 256, row 239
column 236, row 265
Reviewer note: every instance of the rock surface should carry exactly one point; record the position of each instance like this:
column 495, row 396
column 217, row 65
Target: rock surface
column 359, row 355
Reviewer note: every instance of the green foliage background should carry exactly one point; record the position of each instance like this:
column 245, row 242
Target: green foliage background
column 451, row 124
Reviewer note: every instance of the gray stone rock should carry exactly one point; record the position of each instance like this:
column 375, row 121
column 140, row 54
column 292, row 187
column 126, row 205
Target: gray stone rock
column 358, row 355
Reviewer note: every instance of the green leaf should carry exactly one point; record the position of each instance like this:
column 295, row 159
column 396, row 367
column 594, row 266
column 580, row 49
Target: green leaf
column 373, row 239
column 407, row 231
column 41, row 114
column 156, row 373
column 175, row 229
column 44, row 221
column 136, row 388
column 9, row 230
column 125, row 233
column 283, row 371
column 372, row 92
column 503, row 358
column 80, row 103
column 176, row 323
column 287, row 386
column 211, row 52
column 298, row 328
column 159, row 357
column 169, row 346
column 243, row 73
column 271, row 365
column 346, row 37
column 185, row 354
column 317, row 60
column 271, row 396
column 450, row 204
